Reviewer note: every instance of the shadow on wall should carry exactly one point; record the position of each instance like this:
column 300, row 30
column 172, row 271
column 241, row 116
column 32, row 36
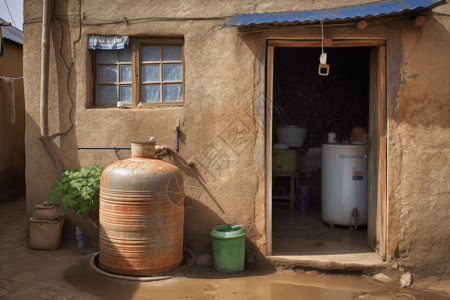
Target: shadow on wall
column 41, row 170
column 40, row 176
column 66, row 88
column 200, row 219
column 193, row 181
column 198, row 223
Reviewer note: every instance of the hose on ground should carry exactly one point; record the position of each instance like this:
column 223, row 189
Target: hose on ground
column 187, row 263
column 124, row 277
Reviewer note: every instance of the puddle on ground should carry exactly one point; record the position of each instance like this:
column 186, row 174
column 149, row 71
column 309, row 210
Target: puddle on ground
column 293, row 291
column 207, row 284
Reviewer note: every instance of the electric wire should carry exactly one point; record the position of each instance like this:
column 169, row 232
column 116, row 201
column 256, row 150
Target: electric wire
column 6, row 3
column 321, row 27
column 101, row 22
column 218, row 18
column 69, row 71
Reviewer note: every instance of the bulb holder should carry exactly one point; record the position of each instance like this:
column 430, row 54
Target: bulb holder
column 323, row 59
column 324, row 69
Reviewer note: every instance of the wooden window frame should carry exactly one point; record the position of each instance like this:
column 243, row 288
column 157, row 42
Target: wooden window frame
column 136, row 69
column 117, row 83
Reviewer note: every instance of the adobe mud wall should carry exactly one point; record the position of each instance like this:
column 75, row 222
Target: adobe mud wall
column 419, row 151
column 222, row 119
column 12, row 124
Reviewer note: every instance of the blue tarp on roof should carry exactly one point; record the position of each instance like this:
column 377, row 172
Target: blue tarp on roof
column 375, row 9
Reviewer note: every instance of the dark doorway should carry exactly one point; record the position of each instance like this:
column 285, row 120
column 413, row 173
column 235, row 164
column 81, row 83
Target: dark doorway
column 322, row 104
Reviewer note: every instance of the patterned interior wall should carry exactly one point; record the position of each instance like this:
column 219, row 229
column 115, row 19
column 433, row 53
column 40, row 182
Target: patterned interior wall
column 337, row 102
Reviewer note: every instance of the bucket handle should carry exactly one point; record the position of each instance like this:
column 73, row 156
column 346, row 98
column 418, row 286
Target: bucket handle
column 235, row 227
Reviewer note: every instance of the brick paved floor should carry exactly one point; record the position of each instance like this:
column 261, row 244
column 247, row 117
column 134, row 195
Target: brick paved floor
column 66, row 274
column 32, row 274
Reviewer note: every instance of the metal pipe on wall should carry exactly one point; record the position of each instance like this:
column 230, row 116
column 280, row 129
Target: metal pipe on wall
column 177, row 130
column 159, row 150
column 104, row 148
column 45, row 66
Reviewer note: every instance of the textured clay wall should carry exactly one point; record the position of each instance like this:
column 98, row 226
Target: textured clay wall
column 418, row 184
column 222, row 117
column 419, row 151
column 218, row 128
column 12, row 145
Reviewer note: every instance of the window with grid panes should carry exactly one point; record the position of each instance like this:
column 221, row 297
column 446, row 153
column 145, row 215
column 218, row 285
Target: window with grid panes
column 158, row 75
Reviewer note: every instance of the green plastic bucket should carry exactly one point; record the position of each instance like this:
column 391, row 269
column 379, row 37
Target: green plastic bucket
column 228, row 247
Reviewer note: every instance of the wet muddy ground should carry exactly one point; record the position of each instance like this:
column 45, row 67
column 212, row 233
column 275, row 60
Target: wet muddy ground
column 66, row 274
column 205, row 283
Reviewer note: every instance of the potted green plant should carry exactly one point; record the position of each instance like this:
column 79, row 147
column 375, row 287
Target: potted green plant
column 79, row 189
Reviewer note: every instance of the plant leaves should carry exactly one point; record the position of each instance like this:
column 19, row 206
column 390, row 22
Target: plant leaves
column 79, row 189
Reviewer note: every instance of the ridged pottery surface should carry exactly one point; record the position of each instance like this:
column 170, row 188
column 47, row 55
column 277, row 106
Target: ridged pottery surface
column 141, row 217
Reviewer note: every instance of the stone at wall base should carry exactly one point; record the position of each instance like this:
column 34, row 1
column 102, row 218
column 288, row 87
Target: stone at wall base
column 382, row 278
column 406, row 280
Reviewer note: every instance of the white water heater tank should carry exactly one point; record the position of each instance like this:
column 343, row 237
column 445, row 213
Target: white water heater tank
column 344, row 183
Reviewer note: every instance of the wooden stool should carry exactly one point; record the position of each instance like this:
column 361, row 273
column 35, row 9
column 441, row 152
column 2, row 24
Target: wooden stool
column 293, row 186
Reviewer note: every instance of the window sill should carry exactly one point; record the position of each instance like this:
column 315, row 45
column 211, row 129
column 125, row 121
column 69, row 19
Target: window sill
column 146, row 106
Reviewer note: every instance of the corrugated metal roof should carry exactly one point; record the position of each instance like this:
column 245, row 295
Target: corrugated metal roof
column 375, row 9
column 12, row 33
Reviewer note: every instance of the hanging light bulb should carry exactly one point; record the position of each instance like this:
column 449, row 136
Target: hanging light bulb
column 323, row 59
column 324, row 68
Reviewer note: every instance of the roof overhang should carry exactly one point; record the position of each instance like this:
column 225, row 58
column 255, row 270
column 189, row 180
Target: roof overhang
column 346, row 13
column 10, row 32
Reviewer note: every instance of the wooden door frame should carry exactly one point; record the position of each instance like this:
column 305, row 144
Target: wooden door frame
column 377, row 226
column 380, row 96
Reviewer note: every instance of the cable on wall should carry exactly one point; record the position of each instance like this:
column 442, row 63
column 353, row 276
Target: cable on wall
column 324, row 68
column 7, row 7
